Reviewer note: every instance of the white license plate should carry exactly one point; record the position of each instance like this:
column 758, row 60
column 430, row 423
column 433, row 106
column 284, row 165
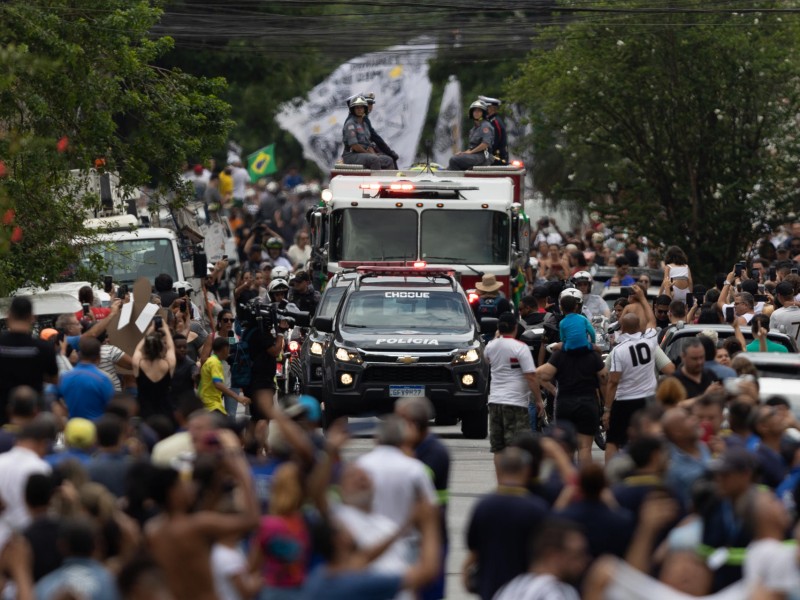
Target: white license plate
column 404, row 391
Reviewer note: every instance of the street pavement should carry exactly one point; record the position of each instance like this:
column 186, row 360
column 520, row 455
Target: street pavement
column 471, row 475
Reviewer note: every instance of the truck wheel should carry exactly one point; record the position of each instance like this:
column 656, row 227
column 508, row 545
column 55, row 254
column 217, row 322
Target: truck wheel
column 475, row 424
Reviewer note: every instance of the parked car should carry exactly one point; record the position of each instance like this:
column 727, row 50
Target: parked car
column 676, row 335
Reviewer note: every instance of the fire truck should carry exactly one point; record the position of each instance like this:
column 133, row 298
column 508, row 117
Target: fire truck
column 470, row 222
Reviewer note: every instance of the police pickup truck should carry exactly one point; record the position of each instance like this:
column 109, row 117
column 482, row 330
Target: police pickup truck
column 400, row 332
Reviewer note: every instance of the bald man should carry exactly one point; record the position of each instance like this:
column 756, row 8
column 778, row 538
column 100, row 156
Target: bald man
column 632, row 373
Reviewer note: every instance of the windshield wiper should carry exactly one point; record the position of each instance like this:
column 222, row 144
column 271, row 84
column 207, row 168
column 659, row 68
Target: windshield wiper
column 354, row 325
column 456, row 261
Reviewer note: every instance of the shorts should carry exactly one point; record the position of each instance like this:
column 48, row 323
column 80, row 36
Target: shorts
column 620, row 419
column 255, row 409
column 506, row 421
column 583, row 413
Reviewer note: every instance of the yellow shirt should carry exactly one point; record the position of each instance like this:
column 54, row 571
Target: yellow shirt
column 211, row 372
column 225, row 185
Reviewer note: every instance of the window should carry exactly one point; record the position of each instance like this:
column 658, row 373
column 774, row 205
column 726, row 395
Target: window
column 471, row 237
column 407, row 310
column 367, row 234
column 127, row 260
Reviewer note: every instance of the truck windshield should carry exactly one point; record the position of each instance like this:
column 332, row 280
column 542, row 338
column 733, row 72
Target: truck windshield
column 407, row 310
column 475, row 237
column 128, row 260
column 371, row 234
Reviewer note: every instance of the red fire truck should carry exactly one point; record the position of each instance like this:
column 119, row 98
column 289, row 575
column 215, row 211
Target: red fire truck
column 472, row 222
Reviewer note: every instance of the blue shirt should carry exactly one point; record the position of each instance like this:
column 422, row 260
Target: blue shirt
column 684, row 469
column 86, row 391
column 94, row 581
column 364, row 585
column 68, row 454
column 627, row 280
column 575, row 331
column 721, row 371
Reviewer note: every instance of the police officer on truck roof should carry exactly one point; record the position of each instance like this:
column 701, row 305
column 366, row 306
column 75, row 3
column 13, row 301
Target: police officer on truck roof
column 377, row 141
column 358, row 148
column 500, row 146
column 481, row 138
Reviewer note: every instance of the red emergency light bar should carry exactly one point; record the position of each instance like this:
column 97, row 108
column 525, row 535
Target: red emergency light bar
column 397, row 186
column 408, row 271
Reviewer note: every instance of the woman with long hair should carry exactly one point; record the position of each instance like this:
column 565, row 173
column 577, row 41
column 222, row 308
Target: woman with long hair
column 677, row 275
column 153, row 365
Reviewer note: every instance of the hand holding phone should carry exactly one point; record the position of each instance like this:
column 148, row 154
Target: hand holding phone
column 737, row 269
column 729, row 314
column 773, row 274
column 108, row 284
column 86, row 309
column 158, row 322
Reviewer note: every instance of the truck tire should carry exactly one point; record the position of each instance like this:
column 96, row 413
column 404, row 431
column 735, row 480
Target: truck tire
column 475, row 424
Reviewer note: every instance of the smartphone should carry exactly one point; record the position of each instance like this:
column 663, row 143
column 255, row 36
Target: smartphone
column 729, row 314
column 122, row 291
column 625, row 292
column 737, row 269
column 108, row 284
column 158, row 322
column 773, row 274
column 224, row 257
column 760, row 298
column 756, row 274
column 85, row 308
column 181, row 292
column 689, row 301
column 185, row 306
column 699, row 297
column 793, row 271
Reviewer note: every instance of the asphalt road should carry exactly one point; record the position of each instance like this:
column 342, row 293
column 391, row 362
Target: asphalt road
column 471, row 474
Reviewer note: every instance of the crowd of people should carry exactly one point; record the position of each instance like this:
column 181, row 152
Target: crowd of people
column 697, row 491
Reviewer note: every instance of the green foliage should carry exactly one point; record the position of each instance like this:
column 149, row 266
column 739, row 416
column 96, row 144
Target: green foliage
column 675, row 125
column 82, row 71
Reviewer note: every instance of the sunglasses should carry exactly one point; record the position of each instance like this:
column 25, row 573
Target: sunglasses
column 226, row 320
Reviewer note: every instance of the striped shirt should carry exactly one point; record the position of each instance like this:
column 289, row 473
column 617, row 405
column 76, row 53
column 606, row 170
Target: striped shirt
column 109, row 356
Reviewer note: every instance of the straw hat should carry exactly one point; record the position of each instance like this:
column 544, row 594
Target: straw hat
column 489, row 283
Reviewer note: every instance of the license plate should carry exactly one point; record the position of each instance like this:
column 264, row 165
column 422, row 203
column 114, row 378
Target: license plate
column 401, row 391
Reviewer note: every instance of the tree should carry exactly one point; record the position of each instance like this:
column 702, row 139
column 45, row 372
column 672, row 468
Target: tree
column 79, row 84
column 675, row 123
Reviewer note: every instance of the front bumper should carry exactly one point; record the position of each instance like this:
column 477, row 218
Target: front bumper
column 453, row 389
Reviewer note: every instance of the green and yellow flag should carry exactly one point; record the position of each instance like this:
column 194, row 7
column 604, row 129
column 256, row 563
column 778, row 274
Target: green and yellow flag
column 261, row 163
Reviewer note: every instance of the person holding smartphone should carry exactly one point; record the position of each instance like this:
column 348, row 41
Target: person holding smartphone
column 153, row 365
column 743, row 302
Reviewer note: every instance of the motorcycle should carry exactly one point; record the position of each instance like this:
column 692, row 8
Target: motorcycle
column 289, row 370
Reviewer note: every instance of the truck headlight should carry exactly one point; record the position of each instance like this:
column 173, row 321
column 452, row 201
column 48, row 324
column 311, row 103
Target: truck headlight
column 345, row 355
column 316, row 349
column 470, row 356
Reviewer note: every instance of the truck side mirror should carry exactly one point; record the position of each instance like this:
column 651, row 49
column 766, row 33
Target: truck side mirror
column 323, row 324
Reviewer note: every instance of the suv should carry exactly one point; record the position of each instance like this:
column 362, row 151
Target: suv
column 404, row 332
column 676, row 335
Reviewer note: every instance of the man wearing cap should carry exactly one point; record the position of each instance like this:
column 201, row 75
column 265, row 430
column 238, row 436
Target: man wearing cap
column 240, row 177
column 303, row 294
column 80, row 436
column 787, row 318
column 377, row 141
column 500, row 145
column 481, row 140
column 513, row 381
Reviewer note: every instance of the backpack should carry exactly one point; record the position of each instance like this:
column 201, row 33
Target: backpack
column 487, row 307
column 241, row 362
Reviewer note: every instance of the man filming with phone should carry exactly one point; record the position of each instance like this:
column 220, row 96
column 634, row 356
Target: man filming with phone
column 743, row 302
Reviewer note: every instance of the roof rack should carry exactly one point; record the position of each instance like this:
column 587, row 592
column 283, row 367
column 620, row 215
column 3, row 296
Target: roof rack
column 367, row 272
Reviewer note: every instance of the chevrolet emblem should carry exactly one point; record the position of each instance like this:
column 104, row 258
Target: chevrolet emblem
column 407, row 360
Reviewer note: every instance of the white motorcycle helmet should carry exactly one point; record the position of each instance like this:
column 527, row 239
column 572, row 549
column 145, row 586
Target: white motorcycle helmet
column 277, row 285
column 582, row 276
column 575, row 293
column 280, row 273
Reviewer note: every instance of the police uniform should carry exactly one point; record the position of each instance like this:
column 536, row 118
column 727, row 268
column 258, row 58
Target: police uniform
column 359, row 133
column 500, row 146
column 481, row 133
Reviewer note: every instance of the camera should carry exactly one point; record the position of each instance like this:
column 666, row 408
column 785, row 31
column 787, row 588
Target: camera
column 268, row 315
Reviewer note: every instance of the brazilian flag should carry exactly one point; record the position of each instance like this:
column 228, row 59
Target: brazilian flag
column 261, row 163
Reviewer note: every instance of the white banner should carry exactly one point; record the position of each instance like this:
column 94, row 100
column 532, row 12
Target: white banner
column 398, row 76
column 447, row 140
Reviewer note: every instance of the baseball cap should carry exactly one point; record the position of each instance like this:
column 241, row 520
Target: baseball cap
column 540, row 291
column 80, row 433
column 734, row 460
column 198, row 169
column 784, row 288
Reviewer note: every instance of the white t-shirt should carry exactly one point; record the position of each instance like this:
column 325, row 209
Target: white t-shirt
column 369, row 530
column 774, row 565
column 240, row 179
column 530, row 586
column 552, row 237
column 633, row 357
column 16, row 466
column 226, row 563
column 510, row 359
column 594, row 306
column 398, row 480
column 786, row 320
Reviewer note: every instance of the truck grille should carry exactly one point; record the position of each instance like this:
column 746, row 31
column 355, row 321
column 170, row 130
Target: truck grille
column 411, row 375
